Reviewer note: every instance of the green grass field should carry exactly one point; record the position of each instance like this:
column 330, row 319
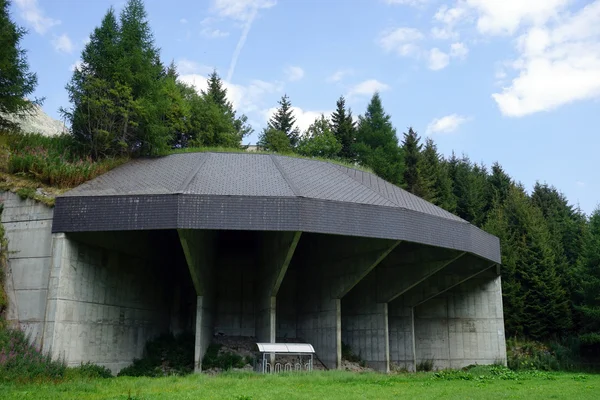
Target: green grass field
column 324, row 385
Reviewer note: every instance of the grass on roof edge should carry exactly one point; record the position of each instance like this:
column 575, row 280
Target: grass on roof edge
column 337, row 161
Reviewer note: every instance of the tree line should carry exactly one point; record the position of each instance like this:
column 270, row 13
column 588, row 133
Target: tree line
column 125, row 101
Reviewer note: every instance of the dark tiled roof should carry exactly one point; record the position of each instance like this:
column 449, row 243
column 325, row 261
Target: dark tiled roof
column 261, row 192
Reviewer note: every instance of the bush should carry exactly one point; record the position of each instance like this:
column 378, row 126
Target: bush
column 52, row 160
column 89, row 371
column 425, row 366
column 22, row 362
column 531, row 355
column 215, row 358
column 349, row 355
column 165, row 355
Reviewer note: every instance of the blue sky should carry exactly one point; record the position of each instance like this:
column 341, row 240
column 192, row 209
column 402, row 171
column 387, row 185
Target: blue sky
column 514, row 81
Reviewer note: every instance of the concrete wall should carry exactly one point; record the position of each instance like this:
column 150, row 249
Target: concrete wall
column 401, row 334
column 28, row 226
column 103, row 305
column 463, row 326
column 235, row 295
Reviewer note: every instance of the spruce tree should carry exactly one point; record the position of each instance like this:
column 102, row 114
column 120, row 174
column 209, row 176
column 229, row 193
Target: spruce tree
column 589, row 306
column 284, row 121
column 216, row 92
column 535, row 302
column 376, row 143
column 344, row 129
column 16, row 81
column 415, row 180
column 434, row 172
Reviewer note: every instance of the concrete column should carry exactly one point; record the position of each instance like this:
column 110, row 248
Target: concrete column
column 198, row 247
column 61, row 248
column 277, row 252
column 334, row 267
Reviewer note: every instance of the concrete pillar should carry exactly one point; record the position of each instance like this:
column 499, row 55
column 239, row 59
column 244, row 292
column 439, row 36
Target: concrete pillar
column 365, row 308
column 277, row 252
column 198, row 247
column 335, row 266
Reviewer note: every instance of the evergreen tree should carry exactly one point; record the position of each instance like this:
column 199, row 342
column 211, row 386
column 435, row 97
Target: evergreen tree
column 414, row 180
column 434, row 172
column 16, row 81
column 284, row 121
column 376, row 143
column 589, row 307
column 344, row 129
column 217, row 93
column 535, row 303
column 469, row 182
column 319, row 140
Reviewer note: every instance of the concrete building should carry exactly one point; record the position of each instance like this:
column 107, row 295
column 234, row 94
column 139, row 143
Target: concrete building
column 253, row 245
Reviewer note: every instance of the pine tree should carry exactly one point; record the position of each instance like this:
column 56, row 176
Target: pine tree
column 469, row 182
column 284, row 121
column 535, row 302
column 376, row 143
column 217, row 93
column 434, row 172
column 344, row 128
column 589, row 306
column 16, row 81
column 415, row 180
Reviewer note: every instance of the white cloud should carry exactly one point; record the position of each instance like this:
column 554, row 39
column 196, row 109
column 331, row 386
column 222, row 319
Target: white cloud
column 339, row 75
column 401, row 41
column 294, row 73
column 437, row 59
column 506, row 16
column 367, row 88
column 213, row 33
column 580, row 184
column 62, row 44
column 76, row 65
column 241, row 10
column 187, row 67
column 459, row 50
column 558, row 63
column 183, row 21
column 445, row 33
column 246, row 99
column 447, row 124
column 31, row 12
column 304, row 118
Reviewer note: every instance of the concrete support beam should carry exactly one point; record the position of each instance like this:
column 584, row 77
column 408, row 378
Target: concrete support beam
column 461, row 270
column 365, row 323
column 334, row 267
column 277, row 252
column 198, row 247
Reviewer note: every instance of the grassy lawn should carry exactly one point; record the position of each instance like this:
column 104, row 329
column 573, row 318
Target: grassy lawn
column 324, row 385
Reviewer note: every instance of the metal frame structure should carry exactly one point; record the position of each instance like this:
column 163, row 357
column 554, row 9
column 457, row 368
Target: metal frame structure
column 290, row 349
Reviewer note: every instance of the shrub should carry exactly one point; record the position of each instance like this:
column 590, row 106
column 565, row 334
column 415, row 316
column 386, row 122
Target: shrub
column 165, row 355
column 425, row 366
column 531, row 355
column 349, row 355
column 89, row 371
column 225, row 360
column 22, row 362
